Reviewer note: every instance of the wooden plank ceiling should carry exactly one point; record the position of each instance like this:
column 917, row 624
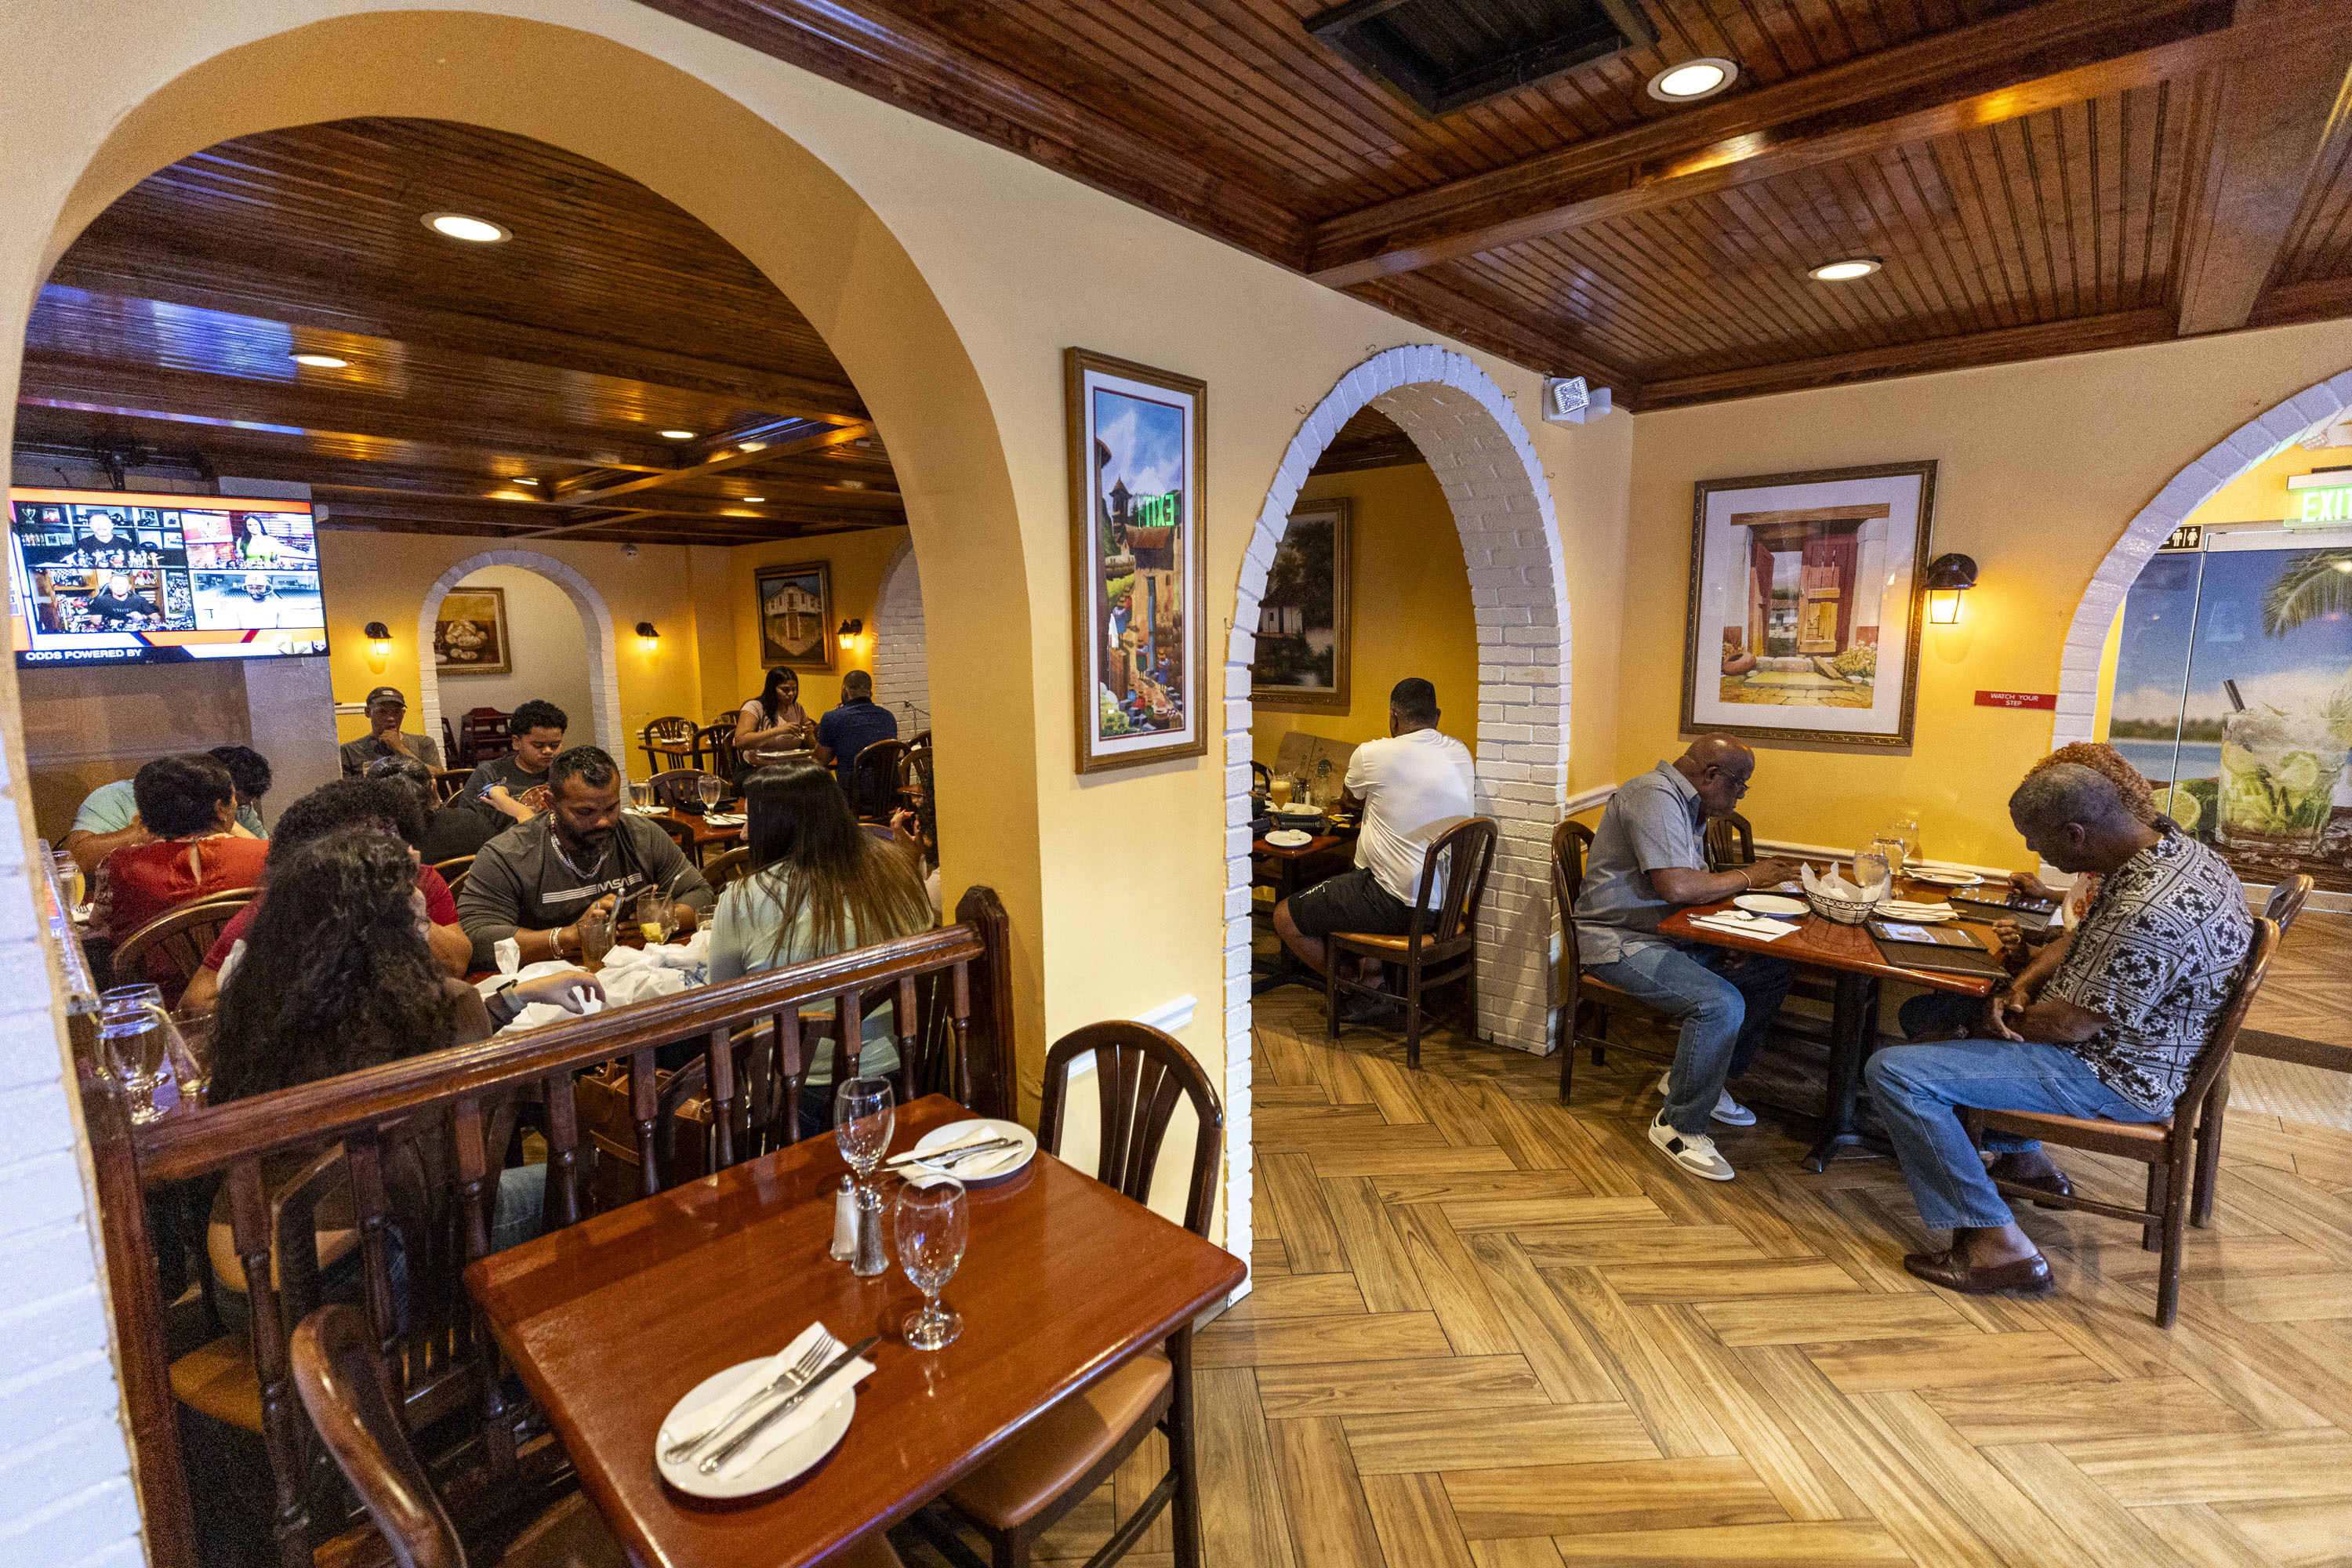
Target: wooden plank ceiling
column 511, row 390
column 2037, row 176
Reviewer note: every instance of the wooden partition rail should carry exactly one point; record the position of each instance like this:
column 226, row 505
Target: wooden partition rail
column 423, row 1139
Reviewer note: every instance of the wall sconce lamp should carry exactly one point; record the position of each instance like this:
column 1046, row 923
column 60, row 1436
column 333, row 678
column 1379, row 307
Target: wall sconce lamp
column 648, row 639
column 849, row 630
column 379, row 638
column 1948, row 577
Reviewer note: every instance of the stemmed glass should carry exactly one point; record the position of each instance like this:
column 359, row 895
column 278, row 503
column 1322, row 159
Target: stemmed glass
column 139, row 1040
column 641, row 793
column 1870, row 869
column 862, row 1118
column 710, row 787
column 932, row 1226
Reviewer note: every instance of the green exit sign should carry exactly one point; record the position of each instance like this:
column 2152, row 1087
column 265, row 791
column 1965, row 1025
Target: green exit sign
column 2315, row 506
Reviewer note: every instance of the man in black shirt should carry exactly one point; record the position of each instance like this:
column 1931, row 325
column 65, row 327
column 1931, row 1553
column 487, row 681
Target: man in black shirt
column 513, row 787
column 583, row 855
column 118, row 602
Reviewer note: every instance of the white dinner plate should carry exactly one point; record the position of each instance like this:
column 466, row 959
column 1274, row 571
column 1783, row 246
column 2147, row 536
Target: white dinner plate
column 1288, row 838
column 1947, row 879
column 791, row 1458
column 1767, row 904
column 987, row 1168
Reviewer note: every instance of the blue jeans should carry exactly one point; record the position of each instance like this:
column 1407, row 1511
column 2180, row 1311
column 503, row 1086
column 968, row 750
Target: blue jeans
column 1725, row 1008
column 1916, row 1089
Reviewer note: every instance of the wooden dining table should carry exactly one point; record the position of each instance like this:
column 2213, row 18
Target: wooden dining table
column 1851, row 954
column 610, row 1322
column 702, row 835
column 1284, row 969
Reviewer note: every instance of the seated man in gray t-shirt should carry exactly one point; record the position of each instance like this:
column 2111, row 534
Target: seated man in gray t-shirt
column 1649, row 859
column 536, row 880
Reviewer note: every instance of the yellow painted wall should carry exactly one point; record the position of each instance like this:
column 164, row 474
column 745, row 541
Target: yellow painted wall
column 1409, row 609
column 2042, row 466
column 857, row 561
column 2259, row 495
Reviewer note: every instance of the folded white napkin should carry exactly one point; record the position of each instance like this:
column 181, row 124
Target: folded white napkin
column 1831, row 885
column 705, row 1415
column 1761, row 928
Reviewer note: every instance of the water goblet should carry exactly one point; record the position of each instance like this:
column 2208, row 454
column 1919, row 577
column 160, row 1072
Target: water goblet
column 641, row 793
column 710, row 787
column 138, row 1044
column 930, row 1226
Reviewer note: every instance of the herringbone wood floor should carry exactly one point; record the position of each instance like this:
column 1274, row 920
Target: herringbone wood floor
column 1488, row 1331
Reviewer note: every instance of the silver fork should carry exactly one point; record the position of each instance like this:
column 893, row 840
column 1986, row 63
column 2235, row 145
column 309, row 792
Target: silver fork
column 792, row 1377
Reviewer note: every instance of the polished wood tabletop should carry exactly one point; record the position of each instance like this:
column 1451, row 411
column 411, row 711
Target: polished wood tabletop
column 611, row 1321
column 704, row 834
column 1319, row 842
column 1829, row 945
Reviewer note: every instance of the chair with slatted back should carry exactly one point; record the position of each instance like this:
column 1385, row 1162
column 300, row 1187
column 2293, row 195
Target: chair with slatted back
column 1141, row 1076
column 1446, row 909
column 2168, row 1148
column 449, row 783
column 2286, row 901
column 714, row 746
column 670, row 743
column 450, row 744
column 1729, row 842
column 874, row 780
column 724, row 869
column 453, row 872
column 1570, row 843
column 678, row 787
column 171, row 948
column 482, row 735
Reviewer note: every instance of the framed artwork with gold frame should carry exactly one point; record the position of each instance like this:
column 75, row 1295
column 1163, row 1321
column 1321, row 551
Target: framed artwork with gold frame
column 470, row 633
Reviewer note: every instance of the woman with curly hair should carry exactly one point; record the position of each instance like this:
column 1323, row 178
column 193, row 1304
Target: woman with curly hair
column 336, row 977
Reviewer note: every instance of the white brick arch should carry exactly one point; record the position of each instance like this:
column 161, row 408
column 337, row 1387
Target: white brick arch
column 604, row 674
column 2235, row 453
column 902, row 672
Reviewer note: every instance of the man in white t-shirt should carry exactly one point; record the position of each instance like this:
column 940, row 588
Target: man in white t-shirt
column 1411, row 787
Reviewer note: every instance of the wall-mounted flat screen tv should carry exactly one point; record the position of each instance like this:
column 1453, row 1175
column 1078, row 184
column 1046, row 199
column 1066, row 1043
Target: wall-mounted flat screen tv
column 114, row 577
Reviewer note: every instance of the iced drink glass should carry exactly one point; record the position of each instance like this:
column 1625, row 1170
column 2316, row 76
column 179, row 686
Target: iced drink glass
column 2278, row 780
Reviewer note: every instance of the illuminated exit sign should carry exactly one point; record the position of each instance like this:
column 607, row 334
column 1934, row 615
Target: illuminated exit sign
column 2320, row 500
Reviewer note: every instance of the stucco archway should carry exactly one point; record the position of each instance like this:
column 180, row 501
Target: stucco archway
column 902, row 669
column 604, row 675
column 1494, row 483
column 2241, row 449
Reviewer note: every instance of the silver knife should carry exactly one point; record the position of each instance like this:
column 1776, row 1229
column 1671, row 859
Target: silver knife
column 720, row 1456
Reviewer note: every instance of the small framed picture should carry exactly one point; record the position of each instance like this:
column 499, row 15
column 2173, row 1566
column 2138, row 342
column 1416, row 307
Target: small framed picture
column 797, row 615
column 1302, row 622
column 1805, row 604
column 1139, row 450
column 469, row 635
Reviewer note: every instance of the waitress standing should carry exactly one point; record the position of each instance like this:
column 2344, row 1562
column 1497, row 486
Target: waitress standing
column 773, row 725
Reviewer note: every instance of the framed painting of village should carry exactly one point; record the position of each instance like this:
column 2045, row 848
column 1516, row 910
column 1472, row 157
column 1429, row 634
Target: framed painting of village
column 1302, row 622
column 795, row 615
column 1805, row 604
column 1139, row 582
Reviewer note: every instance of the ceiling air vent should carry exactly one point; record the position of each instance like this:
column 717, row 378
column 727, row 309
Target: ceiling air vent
column 1445, row 55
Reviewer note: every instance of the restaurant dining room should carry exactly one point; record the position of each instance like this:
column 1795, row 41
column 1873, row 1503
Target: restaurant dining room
column 702, row 877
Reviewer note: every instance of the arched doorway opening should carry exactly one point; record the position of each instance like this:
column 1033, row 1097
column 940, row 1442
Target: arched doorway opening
column 595, row 623
column 902, row 669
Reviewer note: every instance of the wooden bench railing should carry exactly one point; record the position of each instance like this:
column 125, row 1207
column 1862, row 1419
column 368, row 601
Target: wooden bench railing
column 445, row 1115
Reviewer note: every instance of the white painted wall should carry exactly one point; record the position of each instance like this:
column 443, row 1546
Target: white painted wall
column 902, row 670
column 551, row 657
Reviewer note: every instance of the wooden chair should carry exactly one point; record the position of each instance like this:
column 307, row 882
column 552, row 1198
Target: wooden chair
column 1057, row 1462
column 1440, row 933
column 1261, row 781
column 728, row 866
column 484, row 734
column 2286, row 901
column 1571, row 842
column 678, row 786
column 181, row 936
column 1729, row 842
column 2168, row 1148
column 873, row 780
column 450, row 744
column 715, row 745
column 449, row 783
column 671, row 741
column 455, row 871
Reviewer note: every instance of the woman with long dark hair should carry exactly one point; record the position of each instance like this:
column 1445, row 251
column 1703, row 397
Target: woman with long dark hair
column 773, row 723
column 819, row 885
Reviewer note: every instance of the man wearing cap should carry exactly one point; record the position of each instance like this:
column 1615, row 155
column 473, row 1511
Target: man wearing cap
column 386, row 708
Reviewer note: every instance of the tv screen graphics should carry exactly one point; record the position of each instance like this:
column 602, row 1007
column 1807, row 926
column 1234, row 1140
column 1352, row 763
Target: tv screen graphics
column 117, row 577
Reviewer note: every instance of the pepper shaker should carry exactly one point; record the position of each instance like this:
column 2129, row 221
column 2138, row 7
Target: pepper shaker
column 872, row 1256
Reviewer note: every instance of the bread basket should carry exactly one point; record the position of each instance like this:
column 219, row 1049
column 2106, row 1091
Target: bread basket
column 1842, row 911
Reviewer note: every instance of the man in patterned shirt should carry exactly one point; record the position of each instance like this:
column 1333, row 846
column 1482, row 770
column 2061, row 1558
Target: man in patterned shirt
column 2112, row 1032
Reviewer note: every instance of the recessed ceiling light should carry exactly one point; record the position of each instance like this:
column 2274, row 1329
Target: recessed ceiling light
column 1845, row 271
column 1694, row 79
column 677, row 435
column 323, row 362
column 474, row 230
column 755, row 501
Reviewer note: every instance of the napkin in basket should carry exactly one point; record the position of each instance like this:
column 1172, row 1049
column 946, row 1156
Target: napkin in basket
column 1832, row 885
column 779, row 1432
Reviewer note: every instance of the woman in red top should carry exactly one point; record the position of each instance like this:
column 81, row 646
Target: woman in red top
column 189, row 803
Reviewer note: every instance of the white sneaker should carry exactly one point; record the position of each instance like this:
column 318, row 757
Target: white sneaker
column 1693, row 1151
column 1728, row 1110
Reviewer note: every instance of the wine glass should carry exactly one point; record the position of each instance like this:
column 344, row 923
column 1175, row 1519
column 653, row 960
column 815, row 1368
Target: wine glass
column 863, row 1118
column 711, row 788
column 1870, row 869
column 138, row 1040
column 641, row 793
column 931, row 1226
column 1907, row 830
column 1889, row 847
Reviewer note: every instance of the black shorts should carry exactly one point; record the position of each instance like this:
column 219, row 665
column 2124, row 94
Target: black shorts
column 1353, row 900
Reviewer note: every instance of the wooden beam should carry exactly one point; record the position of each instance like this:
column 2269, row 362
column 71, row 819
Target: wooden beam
column 743, row 449
column 2272, row 120
column 1636, row 171
column 1447, row 306
column 2037, row 342
column 331, row 305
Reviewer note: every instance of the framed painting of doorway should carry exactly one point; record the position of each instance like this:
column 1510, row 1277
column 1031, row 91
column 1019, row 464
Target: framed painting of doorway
column 1138, row 450
column 1302, row 622
column 795, row 607
column 470, row 633
column 1805, row 604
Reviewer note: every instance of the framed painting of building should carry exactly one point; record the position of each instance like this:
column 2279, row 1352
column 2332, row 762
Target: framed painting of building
column 1302, row 622
column 1805, row 604
column 1138, row 450
column 795, row 615
column 470, row 633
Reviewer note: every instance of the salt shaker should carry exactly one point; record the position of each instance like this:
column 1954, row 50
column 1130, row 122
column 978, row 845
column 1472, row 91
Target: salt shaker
column 844, row 1221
